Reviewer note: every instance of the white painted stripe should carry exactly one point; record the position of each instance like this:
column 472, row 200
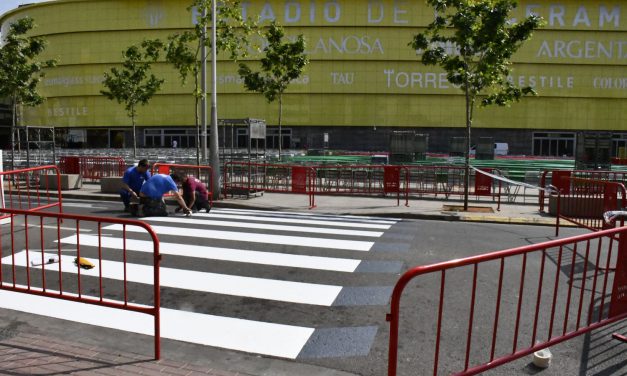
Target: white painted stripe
column 322, row 222
column 224, row 254
column 284, row 341
column 53, row 227
column 82, row 205
column 263, row 226
column 351, row 245
column 354, row 218
column 259, row 288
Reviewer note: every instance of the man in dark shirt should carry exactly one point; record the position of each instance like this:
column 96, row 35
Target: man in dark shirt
column 132, row 181
column 195, row 194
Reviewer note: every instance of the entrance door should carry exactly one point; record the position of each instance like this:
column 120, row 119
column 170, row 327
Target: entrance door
column 116, row 138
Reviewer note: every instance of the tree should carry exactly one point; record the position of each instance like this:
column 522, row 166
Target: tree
column 483, row 38
column 283, row 63
column 20, row 71
column 187, row 51
column 133, row 84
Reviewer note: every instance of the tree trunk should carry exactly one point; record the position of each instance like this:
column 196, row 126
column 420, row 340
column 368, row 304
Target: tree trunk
column 197, row 118
column 467, row 150
column 280, row 123
column 13, row 125
column 134, row 133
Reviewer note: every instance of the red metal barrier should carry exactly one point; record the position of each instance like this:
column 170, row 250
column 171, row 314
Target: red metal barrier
column 480, row 312
column 31, row 189
column 202, row 173
column 557, row 180
column 586, row 201
column 26, row 253
column 92, row 168
column 449, row 181
column 363, row 180
column 247, row 178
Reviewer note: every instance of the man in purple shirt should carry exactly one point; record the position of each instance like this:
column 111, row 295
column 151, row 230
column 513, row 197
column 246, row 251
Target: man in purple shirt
column 195, row 194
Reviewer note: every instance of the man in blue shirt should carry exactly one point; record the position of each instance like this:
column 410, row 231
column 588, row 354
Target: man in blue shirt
column 132, row 181
column 151, row 195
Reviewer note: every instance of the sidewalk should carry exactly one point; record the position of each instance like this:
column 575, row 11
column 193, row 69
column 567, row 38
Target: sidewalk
column 419, row 208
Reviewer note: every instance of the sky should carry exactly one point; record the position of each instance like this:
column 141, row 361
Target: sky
column 7, row 5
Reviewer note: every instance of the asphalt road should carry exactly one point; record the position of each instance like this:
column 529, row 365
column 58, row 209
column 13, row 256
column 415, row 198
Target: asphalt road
column 259, row 292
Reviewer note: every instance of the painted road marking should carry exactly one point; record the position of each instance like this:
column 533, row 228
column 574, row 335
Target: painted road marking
column 259, row 288
column 323, row 222
column 348, row 218
column 224, row 254
column 263, row 226
column 351, row 245
column 61, row 228
column 285, row 341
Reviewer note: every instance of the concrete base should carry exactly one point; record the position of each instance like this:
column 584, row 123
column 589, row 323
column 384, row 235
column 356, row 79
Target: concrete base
column 68, row 182
column 111, row 184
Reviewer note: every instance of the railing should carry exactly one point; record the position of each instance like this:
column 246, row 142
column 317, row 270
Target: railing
column 585, row 202
column 559, row 179
column 32, row 189
column 39, row 264
column 92, row 168
column 247, row 178
column 202, row 173
column 480, row 312
column 449, row 181
column 367, row 180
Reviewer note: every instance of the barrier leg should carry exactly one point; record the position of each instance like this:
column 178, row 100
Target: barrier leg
column 619, row 337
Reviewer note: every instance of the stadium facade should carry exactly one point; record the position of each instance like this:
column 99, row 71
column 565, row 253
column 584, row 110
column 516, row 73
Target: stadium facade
column 363, row 81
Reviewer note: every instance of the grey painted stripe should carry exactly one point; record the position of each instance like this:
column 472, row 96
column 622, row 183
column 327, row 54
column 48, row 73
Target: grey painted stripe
column 393, row 267
column 339, row 342
column 399, row 236
column 360, row 296
column 390, row 247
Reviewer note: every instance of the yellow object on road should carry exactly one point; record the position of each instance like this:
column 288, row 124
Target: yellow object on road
column 84, row 263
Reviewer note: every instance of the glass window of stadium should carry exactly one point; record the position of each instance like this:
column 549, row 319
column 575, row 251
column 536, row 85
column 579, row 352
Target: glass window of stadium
column 619, row 145
column 160, row 138
column 553, row 144
column 272, row 137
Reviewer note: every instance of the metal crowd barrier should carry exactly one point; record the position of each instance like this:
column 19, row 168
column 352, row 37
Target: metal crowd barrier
column 449, row 181
column 583, row 202
column 202, row 173
column 248, row 178
column 40, row 262
column 366, row 180
column 32, row 189
column 559, row 179
column 92, row 168
column 480, row 312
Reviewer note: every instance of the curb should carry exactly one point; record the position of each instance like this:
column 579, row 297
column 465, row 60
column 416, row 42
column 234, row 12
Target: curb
column 449, row 217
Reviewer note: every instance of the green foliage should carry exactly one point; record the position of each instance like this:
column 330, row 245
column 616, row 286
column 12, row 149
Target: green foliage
column 232, row 33
column 133, row 84
column 20, row 71
column 282, row 63
column 474, row 40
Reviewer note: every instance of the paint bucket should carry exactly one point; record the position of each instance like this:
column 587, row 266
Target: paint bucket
column 542, row 358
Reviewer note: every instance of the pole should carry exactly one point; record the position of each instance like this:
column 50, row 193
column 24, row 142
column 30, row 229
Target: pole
column 215, row 153
column 203, row 86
